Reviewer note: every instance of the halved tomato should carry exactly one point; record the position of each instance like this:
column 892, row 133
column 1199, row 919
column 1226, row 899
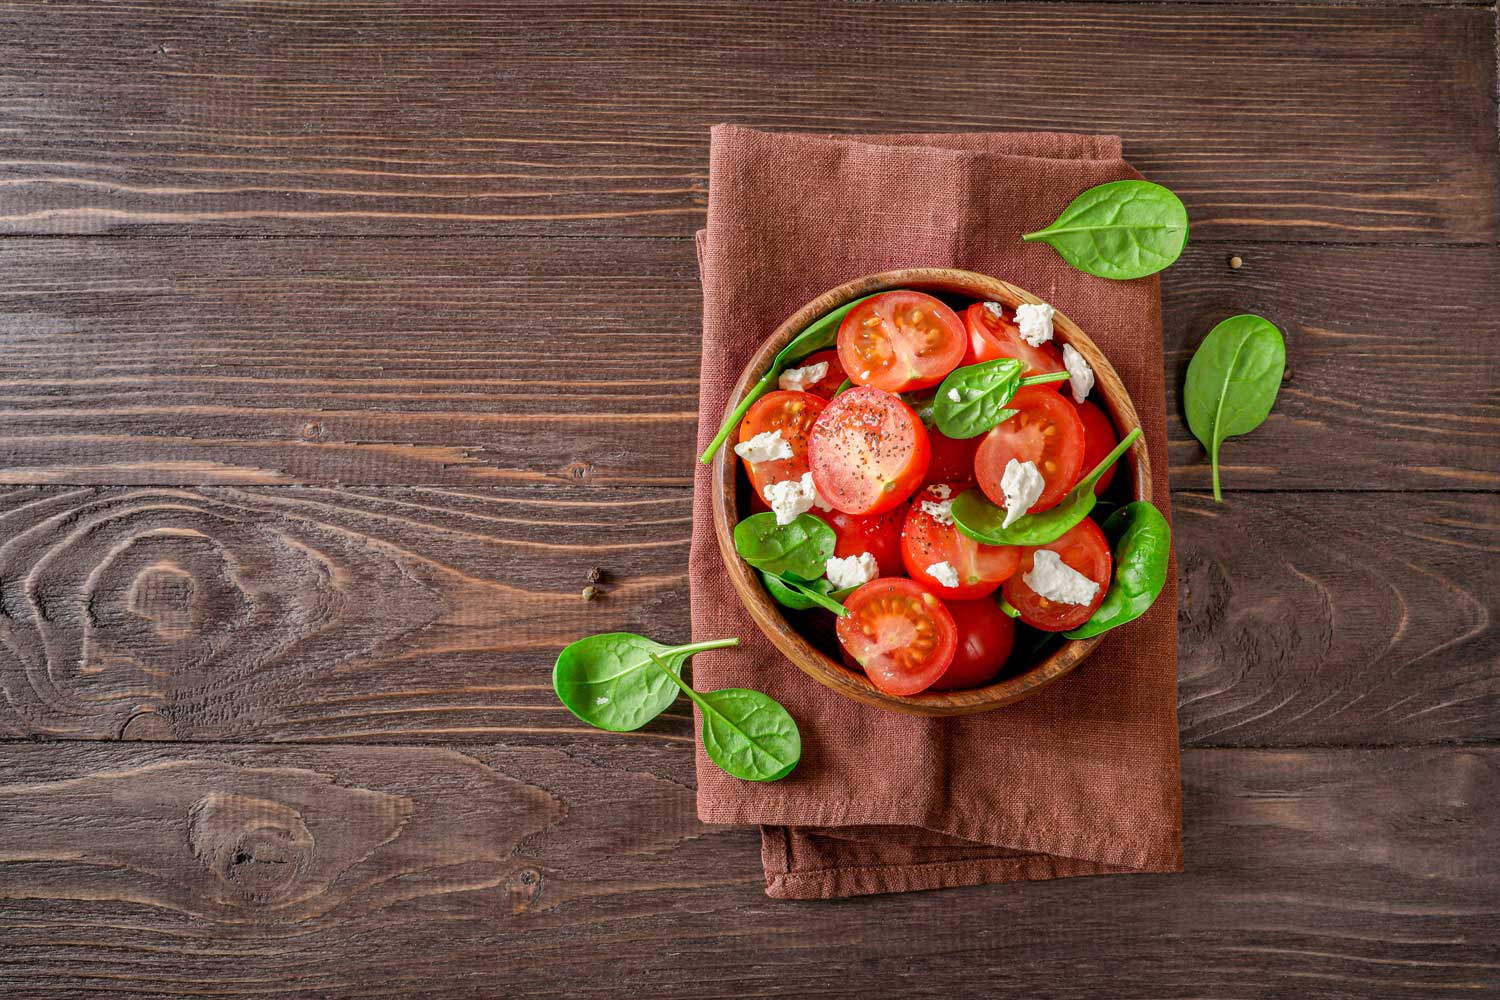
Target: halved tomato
column 791, row 413
column 992, row 336
column 901, row 634
column 930, row 538
column 952, row 458
column 829, row 384
column 877, row 534
column 985, row 637
column 900, row 340
column 1046, row 429
column 1084, row 548
column 1099, row 439
column 867, row 451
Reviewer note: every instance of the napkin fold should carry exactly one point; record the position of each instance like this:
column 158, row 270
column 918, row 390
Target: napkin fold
column 1080, row 779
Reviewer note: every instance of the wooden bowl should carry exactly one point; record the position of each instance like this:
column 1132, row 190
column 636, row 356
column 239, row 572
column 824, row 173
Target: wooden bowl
column 768, row 615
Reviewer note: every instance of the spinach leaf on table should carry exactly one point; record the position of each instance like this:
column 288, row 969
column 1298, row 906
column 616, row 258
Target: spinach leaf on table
column 983, row 390
column 610, row 680
column 748, row 734
column 822, row 333
column 1232, row 382
column 1119, row 230
column 1142, row 543
column 800, row 549
column 984, row 521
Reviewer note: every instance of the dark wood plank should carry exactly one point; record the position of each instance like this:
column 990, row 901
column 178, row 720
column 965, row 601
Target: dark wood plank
column 401, row 614
column 1301, row 123
column 172, row 871
column 467, row 361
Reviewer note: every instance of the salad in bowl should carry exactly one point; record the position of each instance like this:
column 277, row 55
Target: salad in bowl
column 932, row 495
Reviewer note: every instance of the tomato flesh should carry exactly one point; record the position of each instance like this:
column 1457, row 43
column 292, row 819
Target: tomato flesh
column 791, row 413
column 825, row 387
column 1046, row 429
column 867, row 451
column 900, row 633
column 1082, row 547
column 991, row 337
column 900, row 340
column 926, row 540
column 1099, row 439
column 952, row 458
column 877, row 534
column 985, row 638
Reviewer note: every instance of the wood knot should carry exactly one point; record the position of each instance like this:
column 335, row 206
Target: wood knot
column 579, row 471
column 258, row 848
column 165, row 595
column 524, row 887
column 312, row 431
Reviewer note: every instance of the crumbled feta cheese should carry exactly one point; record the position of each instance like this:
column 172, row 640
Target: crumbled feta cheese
column 996, row 310
column 944, row 573
column 1055, row 580
column 1035, row 322
column 1080, row 375
column 798, row 379
column 851, row 571
column 766, row 446
column 792, row 497
column 941, row 511
column 940, row 490
column 954, row 395
column 1022, row 484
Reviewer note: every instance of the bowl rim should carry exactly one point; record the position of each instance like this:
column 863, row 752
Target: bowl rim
column 768, row 616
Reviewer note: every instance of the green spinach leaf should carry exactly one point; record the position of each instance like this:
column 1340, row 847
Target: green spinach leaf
column 610, row 682
column 800, row 596
column 1142, row 542
column 798, row 549
column 1119, row 230
column 984, row 521
column 972, row 400
column 822, row 333
column 1232, row 382
column 748, row 734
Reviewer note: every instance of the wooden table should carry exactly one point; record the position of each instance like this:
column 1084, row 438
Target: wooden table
column 342, row 340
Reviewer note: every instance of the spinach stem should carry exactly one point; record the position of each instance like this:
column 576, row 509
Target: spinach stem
column 1044, row 379
column 733, row 420
column 1110, row 459
column 687, row 688
column 705, row 645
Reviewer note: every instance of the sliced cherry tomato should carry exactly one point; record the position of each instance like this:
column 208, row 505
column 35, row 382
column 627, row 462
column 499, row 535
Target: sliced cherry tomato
column 927, row 540
column 952, row 458
column 829, row 384
column 1099, row 439
column 1046, row 429
column 791, row 413
column 1082, row 547
column 991, row 337
column 985, row 637
column 867, row 452
column 900, row 340
column 901, row 634
column 877, row 534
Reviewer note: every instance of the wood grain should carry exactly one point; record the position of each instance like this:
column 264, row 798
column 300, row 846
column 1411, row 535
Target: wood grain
column 174, row 871
column 1300, row 123
column 400, row 614
column 467, row 361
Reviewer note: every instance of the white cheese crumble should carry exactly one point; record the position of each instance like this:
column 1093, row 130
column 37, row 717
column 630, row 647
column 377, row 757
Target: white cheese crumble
column 792, row 497
column 996, row 310
column 1055, row 580
column 1080, row 375
column 767, row 446
column 798, row 379
column 851, row 571
column 1035, row 322
column 1022, row 484
column 602, row 700
column 941, row 511
column 944, row 573
column 940, row 490
column 953, row 394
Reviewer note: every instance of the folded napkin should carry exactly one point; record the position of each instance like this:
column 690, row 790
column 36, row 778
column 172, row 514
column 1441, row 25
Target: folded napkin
column 1080, row 779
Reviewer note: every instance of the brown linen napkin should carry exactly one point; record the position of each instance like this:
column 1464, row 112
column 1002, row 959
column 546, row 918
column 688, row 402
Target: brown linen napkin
column 1080, row 779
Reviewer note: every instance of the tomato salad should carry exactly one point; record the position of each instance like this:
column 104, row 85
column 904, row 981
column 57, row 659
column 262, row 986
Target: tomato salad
column 929, row 480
